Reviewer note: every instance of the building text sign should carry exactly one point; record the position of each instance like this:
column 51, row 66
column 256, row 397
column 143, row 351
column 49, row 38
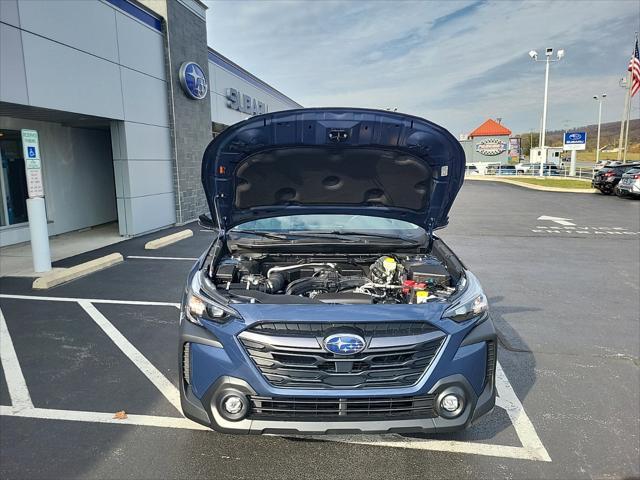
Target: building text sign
column 491, row 147
column 575, row 140
column 237, row 100
column 32, row 163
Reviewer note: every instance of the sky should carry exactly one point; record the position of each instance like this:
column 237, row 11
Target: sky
column 456, row 63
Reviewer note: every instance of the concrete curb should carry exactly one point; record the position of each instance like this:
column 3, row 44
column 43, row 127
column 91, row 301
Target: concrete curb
column 64, row 275
column 530, row 186
column 168, row 240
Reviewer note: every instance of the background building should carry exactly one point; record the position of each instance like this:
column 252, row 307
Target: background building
column 121, row 135
column 487, row 144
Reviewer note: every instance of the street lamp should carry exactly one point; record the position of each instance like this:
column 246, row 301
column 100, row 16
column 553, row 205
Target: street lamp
column 599, row 99
column 534, row 56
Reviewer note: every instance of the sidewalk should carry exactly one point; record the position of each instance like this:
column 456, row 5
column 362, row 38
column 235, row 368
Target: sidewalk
column 15, row 260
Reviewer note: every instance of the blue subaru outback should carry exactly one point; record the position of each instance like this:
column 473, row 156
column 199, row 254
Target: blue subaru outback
column 326, row 303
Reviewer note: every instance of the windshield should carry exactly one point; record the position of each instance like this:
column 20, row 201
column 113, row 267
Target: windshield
column 297, row 223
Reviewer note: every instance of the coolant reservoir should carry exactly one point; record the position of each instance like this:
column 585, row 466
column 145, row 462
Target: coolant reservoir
column 422, row 296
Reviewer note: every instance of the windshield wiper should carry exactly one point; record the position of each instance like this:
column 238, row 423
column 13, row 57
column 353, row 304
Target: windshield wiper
column 258, row 233
column 364, row 234
column 286, row 236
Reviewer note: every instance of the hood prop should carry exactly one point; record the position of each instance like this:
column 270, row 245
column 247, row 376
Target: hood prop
column 430, row 227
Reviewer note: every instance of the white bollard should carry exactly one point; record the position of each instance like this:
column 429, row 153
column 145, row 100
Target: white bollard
column 39, row 235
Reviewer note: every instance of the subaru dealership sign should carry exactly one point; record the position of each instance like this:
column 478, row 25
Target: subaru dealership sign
column 575, row 140
column 193, row 80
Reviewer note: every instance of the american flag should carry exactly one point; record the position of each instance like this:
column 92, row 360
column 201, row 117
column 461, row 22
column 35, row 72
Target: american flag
column 634, row 68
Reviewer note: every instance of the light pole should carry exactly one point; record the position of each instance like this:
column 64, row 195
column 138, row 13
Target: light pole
column 599, row 99
column 534, row 56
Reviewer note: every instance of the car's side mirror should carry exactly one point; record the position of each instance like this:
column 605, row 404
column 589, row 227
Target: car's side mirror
column 206, row 222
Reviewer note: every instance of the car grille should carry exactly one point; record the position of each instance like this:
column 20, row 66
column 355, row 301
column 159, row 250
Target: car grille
column 301, row 362
column 336, row 409
column 366, row 329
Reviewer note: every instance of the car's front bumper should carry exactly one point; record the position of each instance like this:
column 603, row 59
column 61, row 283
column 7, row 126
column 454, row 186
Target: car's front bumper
column 206, row 412
column 217, row 365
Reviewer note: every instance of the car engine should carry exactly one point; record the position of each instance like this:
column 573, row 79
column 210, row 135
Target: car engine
column 347, row 279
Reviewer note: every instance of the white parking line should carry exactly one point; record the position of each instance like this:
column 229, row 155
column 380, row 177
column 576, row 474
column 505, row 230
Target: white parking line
column 16, row 383
column 90, row 300
column 167, row 388
column 101, row 417
column 142, row 257
column 524, row 428
column 531, row 449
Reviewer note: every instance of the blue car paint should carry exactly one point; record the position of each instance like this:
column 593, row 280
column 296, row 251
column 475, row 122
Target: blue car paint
column 382, row 131
column 209, row 363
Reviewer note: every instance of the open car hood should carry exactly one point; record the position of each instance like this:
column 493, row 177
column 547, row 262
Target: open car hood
column 333, row 161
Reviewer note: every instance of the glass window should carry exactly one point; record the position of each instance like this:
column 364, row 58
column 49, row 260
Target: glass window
column 13, row 181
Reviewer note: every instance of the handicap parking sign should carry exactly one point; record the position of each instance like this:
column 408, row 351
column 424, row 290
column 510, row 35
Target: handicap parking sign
column 31, row 152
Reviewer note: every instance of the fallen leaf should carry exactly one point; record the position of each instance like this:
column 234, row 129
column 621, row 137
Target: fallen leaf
column 121, row 415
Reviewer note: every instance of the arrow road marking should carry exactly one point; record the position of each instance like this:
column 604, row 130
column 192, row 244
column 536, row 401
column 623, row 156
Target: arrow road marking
column 560, row 220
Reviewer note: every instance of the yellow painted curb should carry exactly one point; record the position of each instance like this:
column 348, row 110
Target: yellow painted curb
column 531, row 186
column 168, row 240
column 63, row 275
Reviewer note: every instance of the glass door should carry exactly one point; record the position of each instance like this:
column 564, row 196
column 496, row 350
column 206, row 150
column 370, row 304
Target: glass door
column 13, row 181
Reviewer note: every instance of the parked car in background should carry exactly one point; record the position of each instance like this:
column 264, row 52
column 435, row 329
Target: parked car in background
column 471, row 170
column 506, row 170
column 629, row 185
column 548, row 170
column 523, row 167
column 501, row 170
column 601, row 164
column 606, row 179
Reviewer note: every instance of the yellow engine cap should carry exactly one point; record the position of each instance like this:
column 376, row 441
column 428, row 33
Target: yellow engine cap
column 422, row 296
column 389, row 263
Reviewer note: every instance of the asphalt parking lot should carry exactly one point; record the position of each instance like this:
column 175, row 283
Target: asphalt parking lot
column 565, row 297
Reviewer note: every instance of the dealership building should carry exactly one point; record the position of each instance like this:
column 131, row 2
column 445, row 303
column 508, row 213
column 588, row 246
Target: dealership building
column 123, row 96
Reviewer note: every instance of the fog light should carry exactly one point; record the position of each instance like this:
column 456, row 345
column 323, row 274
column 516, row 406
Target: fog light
column 450, row 403
column 233, row 404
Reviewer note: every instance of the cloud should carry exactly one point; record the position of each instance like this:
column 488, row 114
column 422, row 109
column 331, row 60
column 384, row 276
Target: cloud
column 455, row 62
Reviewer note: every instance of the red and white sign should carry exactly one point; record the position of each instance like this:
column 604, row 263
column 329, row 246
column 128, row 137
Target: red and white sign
column 34, row 183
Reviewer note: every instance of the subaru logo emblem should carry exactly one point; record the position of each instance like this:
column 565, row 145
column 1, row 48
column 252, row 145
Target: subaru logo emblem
column 193, row 80
column 344, row 344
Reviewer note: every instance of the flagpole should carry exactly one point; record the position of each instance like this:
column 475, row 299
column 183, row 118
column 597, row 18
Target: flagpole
column 626, row 139
column 625, row 110
column 628, row 107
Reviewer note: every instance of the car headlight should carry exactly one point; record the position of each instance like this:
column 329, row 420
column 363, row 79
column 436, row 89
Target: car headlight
column 470, row 304
column 198, row 306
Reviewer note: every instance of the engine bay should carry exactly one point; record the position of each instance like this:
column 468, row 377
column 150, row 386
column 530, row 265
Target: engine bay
column 396, row 278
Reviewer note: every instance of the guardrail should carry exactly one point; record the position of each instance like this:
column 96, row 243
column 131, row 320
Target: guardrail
column 581, row 173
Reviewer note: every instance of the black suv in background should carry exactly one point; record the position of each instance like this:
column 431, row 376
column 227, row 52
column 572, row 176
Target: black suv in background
column 606, row 179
